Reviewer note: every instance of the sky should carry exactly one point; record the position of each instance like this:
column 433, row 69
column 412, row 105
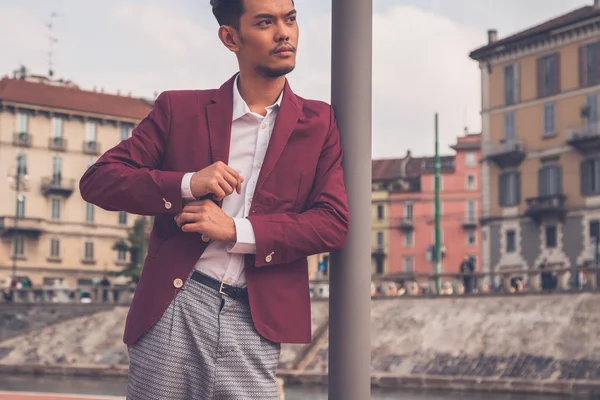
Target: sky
column 420, row 54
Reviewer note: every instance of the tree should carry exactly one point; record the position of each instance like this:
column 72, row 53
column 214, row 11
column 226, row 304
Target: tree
column 137, row 244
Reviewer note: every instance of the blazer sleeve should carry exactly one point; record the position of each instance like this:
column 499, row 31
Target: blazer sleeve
column 128, row 176
column 323, row 227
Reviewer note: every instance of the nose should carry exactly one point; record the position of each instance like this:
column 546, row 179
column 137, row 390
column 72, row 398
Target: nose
column 283, row 32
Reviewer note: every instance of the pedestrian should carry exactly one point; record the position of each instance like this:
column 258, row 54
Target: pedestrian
column 245, row 182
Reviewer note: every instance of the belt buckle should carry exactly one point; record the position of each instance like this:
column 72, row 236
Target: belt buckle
column 221, row 289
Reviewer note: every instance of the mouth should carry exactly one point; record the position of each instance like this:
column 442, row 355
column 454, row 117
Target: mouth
column 285, row 51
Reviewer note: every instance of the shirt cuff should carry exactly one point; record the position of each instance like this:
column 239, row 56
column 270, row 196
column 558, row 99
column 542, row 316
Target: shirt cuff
column 186, row 190
column 246, row 241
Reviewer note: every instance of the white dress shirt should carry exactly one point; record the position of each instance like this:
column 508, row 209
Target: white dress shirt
column 250, row 135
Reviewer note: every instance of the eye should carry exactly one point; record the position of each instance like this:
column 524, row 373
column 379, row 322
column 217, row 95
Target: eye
column 264, row 23
column 292, row 19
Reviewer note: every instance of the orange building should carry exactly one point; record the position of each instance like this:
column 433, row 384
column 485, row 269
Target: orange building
column 411, row 228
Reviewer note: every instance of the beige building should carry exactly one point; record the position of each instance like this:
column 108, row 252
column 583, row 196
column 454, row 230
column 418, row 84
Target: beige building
column 50, row 133
column 541, row 142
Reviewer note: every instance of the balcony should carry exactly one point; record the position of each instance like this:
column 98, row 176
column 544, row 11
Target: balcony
column 92, row 147
column 470, row 223
column 406, row 224
column 585, row 139
column 544, row 207
column 57, row 143
column 25, row 226
column 22, row 139
column 378, row 252
column 57, row 185
column 506, row 153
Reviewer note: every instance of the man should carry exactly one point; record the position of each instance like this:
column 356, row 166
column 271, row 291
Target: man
column 225, row 280
column 467, row 269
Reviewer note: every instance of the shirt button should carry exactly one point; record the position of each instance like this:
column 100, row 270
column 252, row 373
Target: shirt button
column 259, row 165
column 178, row 283
column 263, row 126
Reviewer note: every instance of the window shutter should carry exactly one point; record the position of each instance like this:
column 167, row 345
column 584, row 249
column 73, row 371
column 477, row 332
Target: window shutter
column 556, row 79
column 518, row 187
column 540, row 77
column 597, row 62
column 558, row 177
column 517, row 84
column 501, row 189
column 541, row 182
column 582, row 67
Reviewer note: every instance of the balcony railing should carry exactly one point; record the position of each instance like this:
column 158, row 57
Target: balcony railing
column 406, row 224
column 585, row 138
column 32, row 226
column 58, row 185
column 22, row 139
column 378, row 251
column 57, row 143
column 507, row 153
column 91, row 147
column 547, row 206
column 470, row 223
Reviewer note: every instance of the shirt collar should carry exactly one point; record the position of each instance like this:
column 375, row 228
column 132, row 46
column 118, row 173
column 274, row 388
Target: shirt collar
column 240, row 107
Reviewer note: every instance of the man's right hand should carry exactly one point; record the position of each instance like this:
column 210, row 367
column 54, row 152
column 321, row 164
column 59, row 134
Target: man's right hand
column 218, row 180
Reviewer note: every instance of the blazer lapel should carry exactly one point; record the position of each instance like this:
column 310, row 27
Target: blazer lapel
column 220, row 114
column 287, row 117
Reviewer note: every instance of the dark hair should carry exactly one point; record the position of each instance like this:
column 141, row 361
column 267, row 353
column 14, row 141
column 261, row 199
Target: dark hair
column 228, row 12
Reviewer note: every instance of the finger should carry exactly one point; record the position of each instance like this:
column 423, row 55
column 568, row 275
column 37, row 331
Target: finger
column 192, row 227
column 227, row 185
column 219, row 194
column 186, row 218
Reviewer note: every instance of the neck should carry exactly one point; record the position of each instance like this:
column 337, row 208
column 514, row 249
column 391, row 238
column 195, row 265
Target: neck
column 259, row 92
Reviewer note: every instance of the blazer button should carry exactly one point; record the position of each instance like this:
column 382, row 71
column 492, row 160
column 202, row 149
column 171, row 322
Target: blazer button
column 178, row 283
column 269, row 257
column 205, row 239
column 168, row 204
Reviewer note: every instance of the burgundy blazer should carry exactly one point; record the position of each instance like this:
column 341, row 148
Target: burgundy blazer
column 299, row 206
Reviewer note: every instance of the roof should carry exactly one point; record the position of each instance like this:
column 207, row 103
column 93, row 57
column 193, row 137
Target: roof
column 72, row 98
column 471, row 141
column 391, row 169
column 424, row 165
column 387, row 169
column 538, row 32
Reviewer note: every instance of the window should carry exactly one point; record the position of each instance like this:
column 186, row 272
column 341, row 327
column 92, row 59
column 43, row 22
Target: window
column 56, row 170
column 122, row 255
column 91, row 133
column 588, row 65
column 409, row 238
column 379, row 266
column 379, row 240
column 509, row 127
column 594, row 229
column 471, row 210
column 89, row 213
column 590, row 177
column 408, row 211
column 409, row 265
column 471, row 159
column 511, row 84
column 56, row 203
column 509, row 189
column 125, row 132
column 89, row 251
column 19, row 246
column 471, row 182
column 549, row 180
column 548, row 75
column 471, row 237
column 551, row 239
column 122, row 218
column 54, row 248
column 57, row 127
column 22, row 164
column 511, row 241
column 380, row 212
column 591, row 102
column 21, row 206
column 549, row 120
column 22, row 122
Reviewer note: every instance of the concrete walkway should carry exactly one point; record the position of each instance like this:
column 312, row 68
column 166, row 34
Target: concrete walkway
column 51, row 396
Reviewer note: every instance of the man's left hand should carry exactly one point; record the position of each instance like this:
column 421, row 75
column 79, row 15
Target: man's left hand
column 207, row 218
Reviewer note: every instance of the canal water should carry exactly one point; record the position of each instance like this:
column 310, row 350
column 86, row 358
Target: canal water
column 117, row 387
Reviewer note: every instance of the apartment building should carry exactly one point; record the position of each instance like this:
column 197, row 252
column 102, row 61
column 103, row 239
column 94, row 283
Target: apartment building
column 50, row 133
column 407, row 229
column 541, row 142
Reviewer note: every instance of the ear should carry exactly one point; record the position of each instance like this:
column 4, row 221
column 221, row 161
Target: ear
column 229, row 37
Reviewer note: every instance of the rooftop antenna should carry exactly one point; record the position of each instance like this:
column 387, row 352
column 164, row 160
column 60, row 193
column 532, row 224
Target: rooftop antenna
column 52, row 40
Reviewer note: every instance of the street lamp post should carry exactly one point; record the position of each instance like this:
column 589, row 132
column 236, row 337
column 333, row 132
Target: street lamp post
column 18, row 179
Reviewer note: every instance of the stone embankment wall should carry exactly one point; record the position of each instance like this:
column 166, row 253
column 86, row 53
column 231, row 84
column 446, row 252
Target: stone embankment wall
column 536, row 338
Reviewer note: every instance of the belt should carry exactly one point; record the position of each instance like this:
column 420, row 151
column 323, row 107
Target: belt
column 221, row 287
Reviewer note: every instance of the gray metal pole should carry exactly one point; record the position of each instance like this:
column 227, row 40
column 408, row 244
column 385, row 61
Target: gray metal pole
column 350, row 275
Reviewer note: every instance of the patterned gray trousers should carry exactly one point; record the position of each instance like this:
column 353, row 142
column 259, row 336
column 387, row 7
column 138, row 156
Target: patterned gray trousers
column 204, row 347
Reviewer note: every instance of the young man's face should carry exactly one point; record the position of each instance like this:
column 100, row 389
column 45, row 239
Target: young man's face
column 268, row 37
